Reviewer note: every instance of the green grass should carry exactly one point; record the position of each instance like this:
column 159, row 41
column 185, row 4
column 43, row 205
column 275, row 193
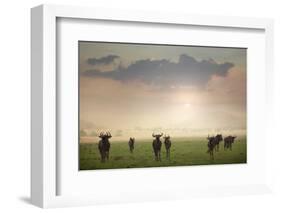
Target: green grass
column 184, row 151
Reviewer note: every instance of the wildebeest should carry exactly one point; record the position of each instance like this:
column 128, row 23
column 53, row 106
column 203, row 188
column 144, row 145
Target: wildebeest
column 104, row 145
column 131, row 144
column 218, row 139
column 228, row 141
column 168, row 143
column 212, row 144
column 156, row 144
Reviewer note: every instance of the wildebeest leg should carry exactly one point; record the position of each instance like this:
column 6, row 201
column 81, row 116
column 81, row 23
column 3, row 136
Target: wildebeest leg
column 168, row 154
column 155, row 155
column 230, row 147
column 211, row 154
column 107, row 155
column 102, row 157
column 159, row 155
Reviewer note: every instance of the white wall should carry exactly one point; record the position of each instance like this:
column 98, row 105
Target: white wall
column 15, row 98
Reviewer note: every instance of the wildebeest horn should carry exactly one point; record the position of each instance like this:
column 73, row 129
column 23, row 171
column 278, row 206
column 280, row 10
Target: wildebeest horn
column 101, row 134
column 153, row 134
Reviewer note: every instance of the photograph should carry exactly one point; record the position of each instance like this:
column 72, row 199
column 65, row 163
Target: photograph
column 161, row 105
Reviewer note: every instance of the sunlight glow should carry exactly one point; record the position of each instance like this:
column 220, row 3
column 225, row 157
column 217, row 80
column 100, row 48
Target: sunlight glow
column 187, row 104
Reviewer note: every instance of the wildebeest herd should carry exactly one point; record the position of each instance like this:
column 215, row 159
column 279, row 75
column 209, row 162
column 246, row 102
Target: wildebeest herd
column 213, row 145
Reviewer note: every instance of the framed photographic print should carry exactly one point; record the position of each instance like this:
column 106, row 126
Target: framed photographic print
column 149, row 98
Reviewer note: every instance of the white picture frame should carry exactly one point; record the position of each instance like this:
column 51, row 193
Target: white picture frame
column 44, row 154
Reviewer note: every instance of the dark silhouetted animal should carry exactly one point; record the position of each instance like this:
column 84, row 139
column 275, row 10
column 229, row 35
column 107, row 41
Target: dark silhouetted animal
column 156, row 144
column 168, row 143
column 218, row 139
column 228, row 141
column 212, row 144
column 104, row 145
column 131, row 144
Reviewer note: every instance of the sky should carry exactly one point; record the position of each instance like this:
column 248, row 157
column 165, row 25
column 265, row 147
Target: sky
column 137, row 89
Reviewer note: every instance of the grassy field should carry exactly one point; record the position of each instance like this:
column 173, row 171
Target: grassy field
column 184, row 151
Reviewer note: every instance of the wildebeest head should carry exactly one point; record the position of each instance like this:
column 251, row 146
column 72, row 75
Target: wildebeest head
column 105, row 136
column 219, row 137
column 210, row 138
column 132, row 139
column 166, row 137
column 233, row 138
column 157, row 136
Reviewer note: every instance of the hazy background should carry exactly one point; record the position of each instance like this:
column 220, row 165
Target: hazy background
column 134, row 90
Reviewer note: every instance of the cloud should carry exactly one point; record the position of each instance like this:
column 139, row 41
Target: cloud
column 187, row 71
column 231, row 88
column 103, row 60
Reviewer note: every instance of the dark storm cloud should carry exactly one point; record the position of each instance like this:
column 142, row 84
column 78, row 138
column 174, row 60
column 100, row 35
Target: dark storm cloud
column 187, row 71
column 103, row 60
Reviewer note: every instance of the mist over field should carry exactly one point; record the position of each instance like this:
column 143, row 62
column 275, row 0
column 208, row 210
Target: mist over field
column 146, row 136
